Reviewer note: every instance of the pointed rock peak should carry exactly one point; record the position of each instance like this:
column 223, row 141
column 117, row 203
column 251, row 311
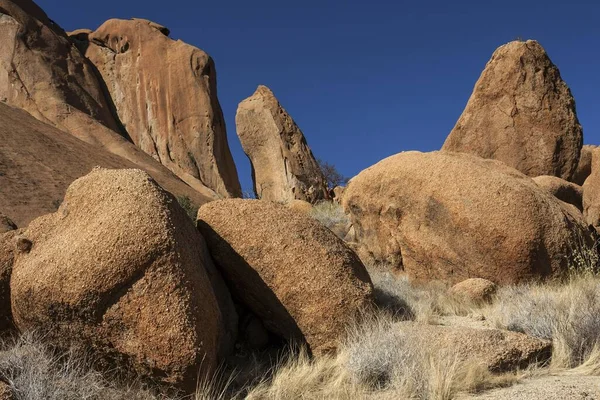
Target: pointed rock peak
column 263, row 91
column 522, row 113
column 284, row 168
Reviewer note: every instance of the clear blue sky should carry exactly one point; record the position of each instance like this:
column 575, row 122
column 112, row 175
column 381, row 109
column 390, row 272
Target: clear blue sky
column 365, row 80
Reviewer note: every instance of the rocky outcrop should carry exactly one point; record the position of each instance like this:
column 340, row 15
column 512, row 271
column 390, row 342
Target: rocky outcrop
column 591, row 191
column 476, row 290
column 498, row 350
column 42, row 72
column 119, row 269
column 584, row 168
column 561, row 189
column 165, row 94
column 290, row 271
column 522, row 113
column 283, row 166
column 38, row 162
column 453, row 216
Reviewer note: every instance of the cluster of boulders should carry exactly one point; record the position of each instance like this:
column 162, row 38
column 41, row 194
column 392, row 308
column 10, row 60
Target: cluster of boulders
column 120, row 269
column 108, row 259
column 473, row 210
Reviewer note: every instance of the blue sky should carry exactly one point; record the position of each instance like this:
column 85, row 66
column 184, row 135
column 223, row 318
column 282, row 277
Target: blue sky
column 365, row 80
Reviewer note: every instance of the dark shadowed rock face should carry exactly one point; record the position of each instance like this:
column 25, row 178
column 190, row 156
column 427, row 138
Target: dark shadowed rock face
column 584, row 168
column 294, row 274
column 562, row 190
column 522, row 113
column 453, row 216
column 120, row 269
column 165, row 94
column 283, row 166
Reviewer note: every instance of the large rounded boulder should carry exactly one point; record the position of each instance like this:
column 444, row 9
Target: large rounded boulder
column 302, row 281
column 454, row 216
column 120, row 269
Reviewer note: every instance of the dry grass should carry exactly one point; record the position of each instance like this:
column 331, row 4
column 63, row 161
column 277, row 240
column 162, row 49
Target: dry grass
column 423, row 303
column 35, row 372
column 568, row 313
column 377, row 361
column 331, row 215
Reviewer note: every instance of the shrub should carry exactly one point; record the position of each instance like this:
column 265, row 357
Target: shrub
column 332, row 216
column 332, row 176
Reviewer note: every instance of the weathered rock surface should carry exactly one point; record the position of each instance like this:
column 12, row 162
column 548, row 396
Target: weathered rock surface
column 584, row 168
column 565, row 191
column 38, row 162
column 289, row 270
column 497, row 349
column 118, row 269
column 7, row 253
column 165, row 94
column 591, row 192
column 522, row 113
column 6, row 224
column 42, row 72
column 453, row 216
column 475, row 289
column 283, row 166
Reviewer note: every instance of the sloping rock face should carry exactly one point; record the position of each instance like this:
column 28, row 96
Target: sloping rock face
column 302, row 281
column 38, row 162
column 42, row 72
column 165, row 94
column 453, row 216
column 562, row 190
column 283, row 166
column 584, row 168
column 522, row 113
column 118, row 269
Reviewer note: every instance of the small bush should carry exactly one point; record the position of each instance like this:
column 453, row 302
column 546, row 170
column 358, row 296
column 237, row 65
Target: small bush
column 332, row 216
column 190, row 209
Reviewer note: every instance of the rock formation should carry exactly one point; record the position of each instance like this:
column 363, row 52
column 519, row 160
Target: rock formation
column 475, row 290
column 302, row 281
column 591, row 191
column 283, row 167
column 453, row 216
column 497, row 349
column 38, row 162
column 584, row 168
column 522, row 113
column 165, row 94
column 42, row 72
column 562, row 190
column 118, row 269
